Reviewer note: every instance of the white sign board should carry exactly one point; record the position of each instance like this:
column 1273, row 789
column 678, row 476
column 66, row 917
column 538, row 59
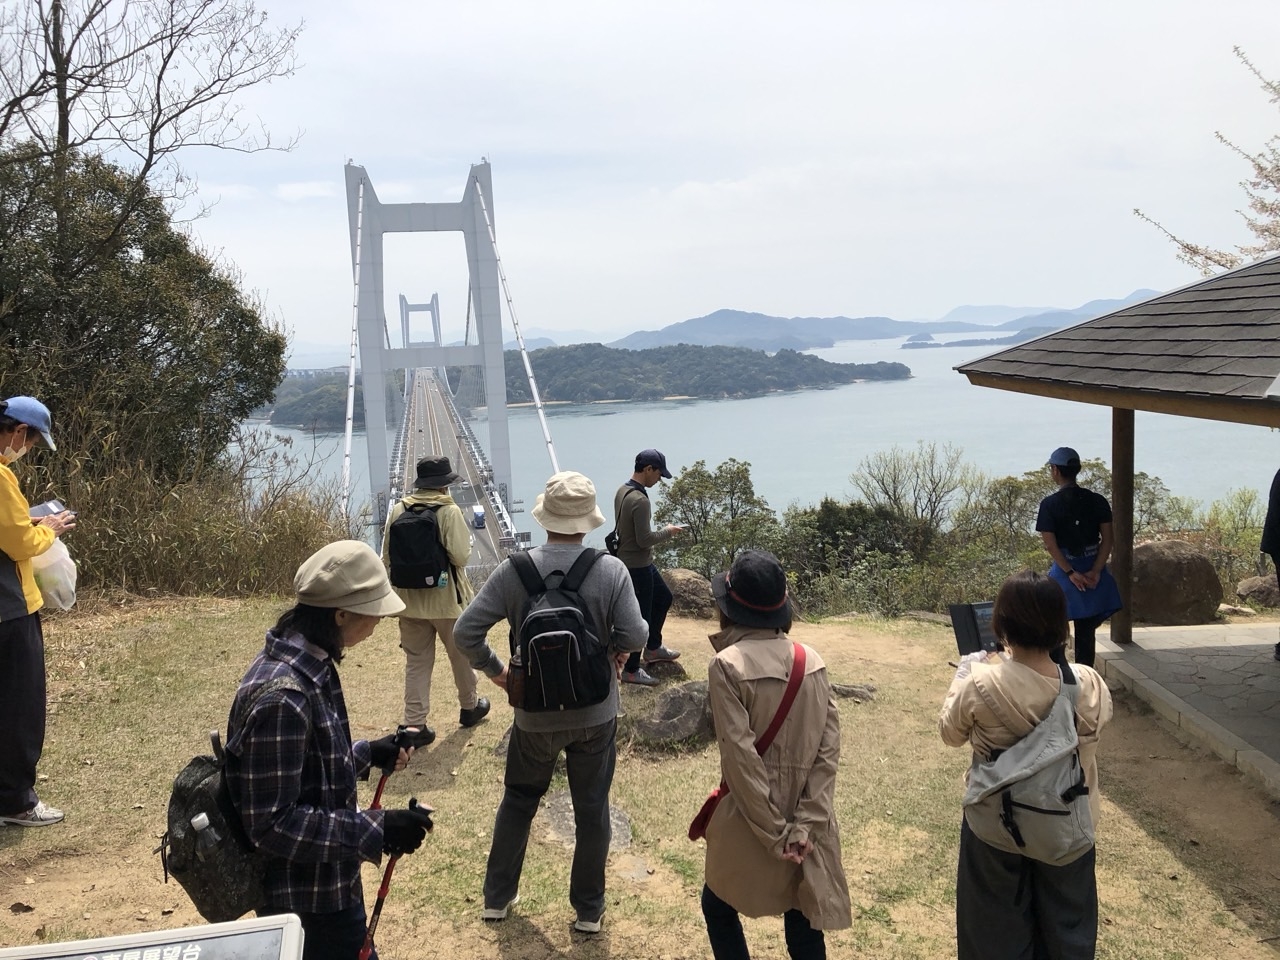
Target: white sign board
column 256, row 938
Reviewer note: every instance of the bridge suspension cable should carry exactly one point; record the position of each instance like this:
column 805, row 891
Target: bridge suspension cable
column 515, row 324
column 466, row 337
column 351, row 370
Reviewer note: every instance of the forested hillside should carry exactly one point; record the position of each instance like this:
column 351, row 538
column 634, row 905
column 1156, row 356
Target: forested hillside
column 590, row 372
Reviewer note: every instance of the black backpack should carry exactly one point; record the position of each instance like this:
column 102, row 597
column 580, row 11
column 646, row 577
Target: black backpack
column 555, row 651
column 417, row 556
column 205, row 847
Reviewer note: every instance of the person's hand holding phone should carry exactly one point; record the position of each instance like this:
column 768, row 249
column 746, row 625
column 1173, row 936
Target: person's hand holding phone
column 59, row 523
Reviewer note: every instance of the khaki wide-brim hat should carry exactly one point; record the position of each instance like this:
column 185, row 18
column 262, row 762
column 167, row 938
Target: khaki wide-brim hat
column 347, row 575
column 568, row 504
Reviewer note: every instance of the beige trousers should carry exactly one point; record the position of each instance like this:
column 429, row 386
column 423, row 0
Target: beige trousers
column 418, row 641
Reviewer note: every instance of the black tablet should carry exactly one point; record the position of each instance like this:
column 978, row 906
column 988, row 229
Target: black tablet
column 972, row 625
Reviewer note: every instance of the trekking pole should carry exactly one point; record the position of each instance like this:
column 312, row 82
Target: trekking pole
column 367, row 948
column 388, row 770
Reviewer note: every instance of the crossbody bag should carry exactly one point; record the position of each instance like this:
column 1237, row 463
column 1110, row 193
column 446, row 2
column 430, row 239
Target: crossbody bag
column 698, row 828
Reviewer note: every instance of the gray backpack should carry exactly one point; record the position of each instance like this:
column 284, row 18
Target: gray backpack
column 205, row 847
column 1031, row 799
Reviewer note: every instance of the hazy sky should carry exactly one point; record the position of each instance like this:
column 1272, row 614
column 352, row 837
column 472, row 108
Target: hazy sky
column 654, row 162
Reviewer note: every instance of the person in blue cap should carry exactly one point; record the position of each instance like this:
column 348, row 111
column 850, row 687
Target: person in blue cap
column 24, row 423
column 1075, row 525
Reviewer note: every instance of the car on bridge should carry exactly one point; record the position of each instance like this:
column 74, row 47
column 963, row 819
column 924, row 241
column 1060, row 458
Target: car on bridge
column 477, row 516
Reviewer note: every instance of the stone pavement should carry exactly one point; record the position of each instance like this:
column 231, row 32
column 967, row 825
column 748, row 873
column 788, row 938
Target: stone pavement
column 1218, row 684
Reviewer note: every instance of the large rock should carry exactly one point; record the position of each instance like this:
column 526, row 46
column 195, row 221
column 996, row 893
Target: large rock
column 556, row 814
column 1174, row 584
column 1260, row 590
column 681, row 715
column 690, row 594
column 857, row 692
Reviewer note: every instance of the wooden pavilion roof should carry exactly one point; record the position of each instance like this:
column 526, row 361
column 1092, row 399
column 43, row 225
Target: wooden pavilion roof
column 1208, row 350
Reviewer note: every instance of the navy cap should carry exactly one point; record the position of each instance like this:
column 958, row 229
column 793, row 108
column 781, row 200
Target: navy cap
column 653, row 458
column 34, row 414
column 1064, row 457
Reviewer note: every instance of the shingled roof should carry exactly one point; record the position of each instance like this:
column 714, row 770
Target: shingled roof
column 1209, row 350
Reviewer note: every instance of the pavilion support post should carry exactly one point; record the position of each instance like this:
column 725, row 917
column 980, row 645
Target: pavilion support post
column 1122, row 520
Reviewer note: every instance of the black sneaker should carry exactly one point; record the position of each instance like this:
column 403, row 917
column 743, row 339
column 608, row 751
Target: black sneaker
column 417, row 736
column 469, row 718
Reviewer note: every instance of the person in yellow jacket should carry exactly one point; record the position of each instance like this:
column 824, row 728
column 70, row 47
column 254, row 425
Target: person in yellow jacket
column 431, row 612
column 24, row 422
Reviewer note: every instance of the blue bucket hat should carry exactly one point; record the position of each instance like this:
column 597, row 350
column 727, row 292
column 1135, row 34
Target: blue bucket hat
column 34, row 414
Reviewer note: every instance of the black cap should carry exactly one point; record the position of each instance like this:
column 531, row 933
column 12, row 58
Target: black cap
column 754, row 591
column 434, row 473
column 653, row 458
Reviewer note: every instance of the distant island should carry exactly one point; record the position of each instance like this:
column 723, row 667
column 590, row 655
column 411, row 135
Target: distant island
column 740, row 328
column 591, row 372
column 1022, row 336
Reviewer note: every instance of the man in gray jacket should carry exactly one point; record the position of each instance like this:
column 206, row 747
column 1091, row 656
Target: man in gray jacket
column 567, row 511
column 636, row 540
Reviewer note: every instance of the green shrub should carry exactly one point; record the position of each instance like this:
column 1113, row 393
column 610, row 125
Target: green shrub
column 242, row 527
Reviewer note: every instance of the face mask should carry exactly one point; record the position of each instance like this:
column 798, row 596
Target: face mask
column 14, row 455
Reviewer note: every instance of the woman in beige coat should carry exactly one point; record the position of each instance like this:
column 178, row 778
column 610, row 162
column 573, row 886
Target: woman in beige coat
column 773, row 846
column 1010, row 907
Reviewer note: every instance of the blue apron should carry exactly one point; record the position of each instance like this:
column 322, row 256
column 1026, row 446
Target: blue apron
column 1099, row 602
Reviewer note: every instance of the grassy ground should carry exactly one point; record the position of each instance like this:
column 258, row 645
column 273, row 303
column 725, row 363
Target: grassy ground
column 1187, row 851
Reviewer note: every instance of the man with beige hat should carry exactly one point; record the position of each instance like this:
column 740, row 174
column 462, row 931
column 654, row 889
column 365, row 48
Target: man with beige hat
column 567, row 511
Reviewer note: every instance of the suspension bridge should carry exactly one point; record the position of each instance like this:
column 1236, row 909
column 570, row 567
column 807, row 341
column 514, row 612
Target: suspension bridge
column 443, row 383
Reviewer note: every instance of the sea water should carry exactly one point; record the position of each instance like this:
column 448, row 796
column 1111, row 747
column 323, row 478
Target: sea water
column 804, row 445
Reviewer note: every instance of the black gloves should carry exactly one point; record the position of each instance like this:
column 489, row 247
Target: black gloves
column 384, row 752
column 404, row 830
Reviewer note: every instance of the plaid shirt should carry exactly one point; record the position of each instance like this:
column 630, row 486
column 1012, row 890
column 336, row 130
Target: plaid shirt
column 292, row 770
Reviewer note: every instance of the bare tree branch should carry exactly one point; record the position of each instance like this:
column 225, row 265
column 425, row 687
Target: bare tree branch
column 1262, row 189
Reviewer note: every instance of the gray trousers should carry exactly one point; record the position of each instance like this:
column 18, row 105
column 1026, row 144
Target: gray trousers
column 590, row 754
column 1009, row 907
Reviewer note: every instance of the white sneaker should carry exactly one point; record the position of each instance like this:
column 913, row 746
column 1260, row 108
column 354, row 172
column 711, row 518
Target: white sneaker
column 41, row 815
column 660, row 654
column 499, row 913
column 640, row 676
column 589, row 926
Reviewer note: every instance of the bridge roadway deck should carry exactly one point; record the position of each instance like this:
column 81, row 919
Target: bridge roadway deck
column 431, row 431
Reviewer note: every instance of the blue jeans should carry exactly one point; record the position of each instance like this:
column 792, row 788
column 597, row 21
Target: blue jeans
column 654, row 597
column 590, row 754
column 724, row 930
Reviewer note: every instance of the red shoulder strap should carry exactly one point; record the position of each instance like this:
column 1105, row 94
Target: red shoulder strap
column 788, row 698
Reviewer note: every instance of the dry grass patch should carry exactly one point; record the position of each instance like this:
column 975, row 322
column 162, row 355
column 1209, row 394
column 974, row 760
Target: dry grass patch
column 1186, row 848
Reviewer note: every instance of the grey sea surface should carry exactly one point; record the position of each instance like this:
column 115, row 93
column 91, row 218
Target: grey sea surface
column 803, row 445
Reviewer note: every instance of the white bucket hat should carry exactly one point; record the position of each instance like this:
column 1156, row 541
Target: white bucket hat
column 568, row 504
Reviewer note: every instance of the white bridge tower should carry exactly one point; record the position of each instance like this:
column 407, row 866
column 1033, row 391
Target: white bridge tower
column 369, row 220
